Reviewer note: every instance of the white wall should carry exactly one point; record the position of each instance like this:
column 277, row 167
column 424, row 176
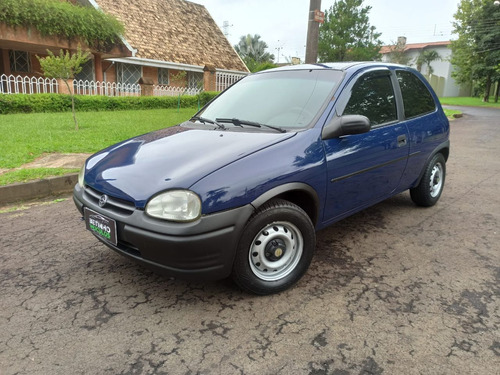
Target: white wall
column 442, row 68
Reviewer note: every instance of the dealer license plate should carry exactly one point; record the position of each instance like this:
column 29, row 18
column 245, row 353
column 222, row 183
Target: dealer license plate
column 101, row 226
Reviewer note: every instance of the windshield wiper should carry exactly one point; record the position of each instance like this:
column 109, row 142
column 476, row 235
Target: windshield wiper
column 204, row 120
column 239, row 122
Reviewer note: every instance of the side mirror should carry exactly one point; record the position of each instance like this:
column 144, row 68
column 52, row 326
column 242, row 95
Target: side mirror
column 346, row 125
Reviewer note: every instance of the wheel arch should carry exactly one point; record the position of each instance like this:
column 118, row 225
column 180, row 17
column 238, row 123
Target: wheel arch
column 444, row 149
column 301, row 194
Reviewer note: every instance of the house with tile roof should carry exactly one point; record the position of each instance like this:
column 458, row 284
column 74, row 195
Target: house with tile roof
column 174, row 42
column 166, row 43
column 440, row 78
column 20, row 45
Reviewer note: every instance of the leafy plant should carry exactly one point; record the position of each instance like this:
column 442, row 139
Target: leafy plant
column 255, row 66
column 476, row 53
column 346, row 34
column 64, row 67
column 61, row 18
column 252, row 51
column 427, row 57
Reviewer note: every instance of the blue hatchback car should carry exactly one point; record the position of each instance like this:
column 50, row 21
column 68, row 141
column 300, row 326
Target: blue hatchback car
column 241, row 188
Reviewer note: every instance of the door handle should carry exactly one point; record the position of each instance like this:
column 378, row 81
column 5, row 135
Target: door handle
column 401, row 140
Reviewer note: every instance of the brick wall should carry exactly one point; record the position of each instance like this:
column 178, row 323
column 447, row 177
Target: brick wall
column 150, row 74
column 36, row 69
column 110, row 70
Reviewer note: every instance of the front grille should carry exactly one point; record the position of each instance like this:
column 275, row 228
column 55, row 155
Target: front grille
column 116, row 205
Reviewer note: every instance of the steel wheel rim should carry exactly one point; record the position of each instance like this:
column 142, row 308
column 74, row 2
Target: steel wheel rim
column 436, row 180
column 265, row 259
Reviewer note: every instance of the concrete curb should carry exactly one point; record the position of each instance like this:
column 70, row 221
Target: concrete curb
column 38, row 189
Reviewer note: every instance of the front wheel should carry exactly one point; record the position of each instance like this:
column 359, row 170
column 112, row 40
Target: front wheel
column 428, row 191
column 275, row 249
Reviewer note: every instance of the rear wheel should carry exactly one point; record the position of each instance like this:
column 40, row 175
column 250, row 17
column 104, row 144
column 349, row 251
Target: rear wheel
column 275, row 249
column 431, row 185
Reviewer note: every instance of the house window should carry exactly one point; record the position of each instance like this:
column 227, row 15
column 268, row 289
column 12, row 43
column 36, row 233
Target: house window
column 128, row 73
column 195, row 80
column 19, row 61
column 163, row 76
column 88, row 71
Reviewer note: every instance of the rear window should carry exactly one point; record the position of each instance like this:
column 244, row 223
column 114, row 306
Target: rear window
column 417, row 99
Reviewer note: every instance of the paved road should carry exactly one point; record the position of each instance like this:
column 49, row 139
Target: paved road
column 392, row 290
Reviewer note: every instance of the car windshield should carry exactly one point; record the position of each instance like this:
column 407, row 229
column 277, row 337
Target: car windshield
column 284, row 99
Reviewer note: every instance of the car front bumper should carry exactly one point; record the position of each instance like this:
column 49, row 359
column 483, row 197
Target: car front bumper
column 201, row 250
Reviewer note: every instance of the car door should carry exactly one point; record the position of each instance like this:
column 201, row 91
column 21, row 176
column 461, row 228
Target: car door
column 366, row 168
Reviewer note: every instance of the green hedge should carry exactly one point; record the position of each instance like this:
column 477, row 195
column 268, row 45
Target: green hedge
column 33, row 103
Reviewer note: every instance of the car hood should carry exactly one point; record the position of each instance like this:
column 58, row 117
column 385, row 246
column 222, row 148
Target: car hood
column 175, row 157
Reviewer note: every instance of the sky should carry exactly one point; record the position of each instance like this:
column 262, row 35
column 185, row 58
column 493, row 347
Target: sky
column 282, row 24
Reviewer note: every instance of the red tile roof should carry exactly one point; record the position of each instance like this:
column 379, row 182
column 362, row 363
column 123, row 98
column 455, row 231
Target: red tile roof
column 410, row 46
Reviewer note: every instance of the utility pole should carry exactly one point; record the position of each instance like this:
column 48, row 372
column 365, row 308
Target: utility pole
column 315, row 18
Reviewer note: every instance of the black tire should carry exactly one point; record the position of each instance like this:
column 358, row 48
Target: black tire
column 428, row 191
column 275, row 249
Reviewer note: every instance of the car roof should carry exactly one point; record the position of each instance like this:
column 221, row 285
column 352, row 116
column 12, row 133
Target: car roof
column 341, row 66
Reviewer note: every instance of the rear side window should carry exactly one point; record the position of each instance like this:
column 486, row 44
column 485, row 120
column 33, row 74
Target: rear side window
column 417, row 99
column 373, row 96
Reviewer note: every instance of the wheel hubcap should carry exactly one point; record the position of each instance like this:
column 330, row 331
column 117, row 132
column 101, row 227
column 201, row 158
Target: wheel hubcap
column 275, row 251
column 436, row 180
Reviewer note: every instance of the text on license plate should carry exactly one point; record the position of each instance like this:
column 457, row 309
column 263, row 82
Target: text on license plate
column 102, row 226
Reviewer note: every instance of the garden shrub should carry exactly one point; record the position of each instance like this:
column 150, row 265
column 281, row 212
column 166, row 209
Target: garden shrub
column 34, row 103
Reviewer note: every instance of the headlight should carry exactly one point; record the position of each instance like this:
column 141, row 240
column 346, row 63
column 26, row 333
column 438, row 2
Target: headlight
column 175, row 205
column 81, row 176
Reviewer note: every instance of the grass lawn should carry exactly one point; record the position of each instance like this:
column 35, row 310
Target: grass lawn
column 29, row 174
column 467, row 101
column 26, row 136
column 450, row 112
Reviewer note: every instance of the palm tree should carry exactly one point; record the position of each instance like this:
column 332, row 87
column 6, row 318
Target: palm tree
column 251, row 47
column 426, row 57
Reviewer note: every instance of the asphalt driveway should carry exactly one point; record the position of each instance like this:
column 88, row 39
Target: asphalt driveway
column 395, row 289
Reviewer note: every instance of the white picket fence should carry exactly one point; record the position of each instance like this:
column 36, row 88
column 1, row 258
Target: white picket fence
column 159, row 90
column 10, row 84
column 106, row 88
column 224, row 79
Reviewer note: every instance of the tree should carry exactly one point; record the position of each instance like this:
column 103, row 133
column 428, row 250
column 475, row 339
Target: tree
column 476, row 52
column 252, row 51
column 64, row 67
column 257, row 67
column 346, row 34
column 427, row 57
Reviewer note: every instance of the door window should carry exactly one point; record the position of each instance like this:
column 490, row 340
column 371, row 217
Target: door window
column 417, row 99
column 373, row 96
